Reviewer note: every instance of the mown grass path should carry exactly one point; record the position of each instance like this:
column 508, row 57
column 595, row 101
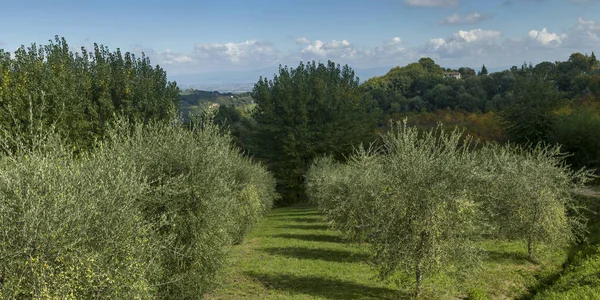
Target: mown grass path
column 293, row 255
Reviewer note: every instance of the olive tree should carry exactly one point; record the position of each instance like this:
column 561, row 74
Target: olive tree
column 414, row 203
column 529, row 194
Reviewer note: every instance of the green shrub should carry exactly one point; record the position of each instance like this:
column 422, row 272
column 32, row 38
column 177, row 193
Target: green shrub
column 70, row 228
column 149, row 214
column 204, row 196
column 80, row 92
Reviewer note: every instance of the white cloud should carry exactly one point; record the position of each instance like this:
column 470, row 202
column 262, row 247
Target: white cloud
column 585, row 35
column 471, row 18
column 437, row 43
column 389, row 50
column 462, row 44
column 334, row 48
column 169, row 57
column 235, row 52
column 546, row 38
column 302, row 41
column 588, row 25
column 463, row 47
column 431, row 3
column 463, row 38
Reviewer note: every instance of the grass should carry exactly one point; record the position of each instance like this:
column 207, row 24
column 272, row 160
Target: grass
column 581, row 276
column 293, row 255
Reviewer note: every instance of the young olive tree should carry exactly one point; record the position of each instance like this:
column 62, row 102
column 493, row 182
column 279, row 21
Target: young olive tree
column 529, row 194
column 414, row 203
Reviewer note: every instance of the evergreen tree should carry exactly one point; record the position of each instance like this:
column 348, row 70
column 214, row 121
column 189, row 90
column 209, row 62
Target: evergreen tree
column 305, row 112
column 79, row 93
column 483, row 71
column 529, row 118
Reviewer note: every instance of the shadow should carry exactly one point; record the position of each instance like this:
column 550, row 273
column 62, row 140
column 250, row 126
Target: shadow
column 323, row 287
column 318, row 254
column 498, row 256
column 306, row 227
column 311, row 237
column 297, row 214
column 305, row 220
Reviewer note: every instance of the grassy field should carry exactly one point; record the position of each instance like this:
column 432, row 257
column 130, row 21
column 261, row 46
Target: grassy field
column 581, row 276
column 293, row 255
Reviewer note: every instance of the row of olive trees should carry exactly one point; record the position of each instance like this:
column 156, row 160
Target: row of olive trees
column 423, row 200
column 150, row 213
column 80, row 92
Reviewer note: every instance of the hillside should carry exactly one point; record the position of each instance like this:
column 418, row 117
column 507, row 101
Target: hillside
column 193, row 101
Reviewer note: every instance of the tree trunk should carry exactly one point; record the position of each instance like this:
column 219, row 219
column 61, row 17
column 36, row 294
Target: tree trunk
column 419, row 278
column 530, row 248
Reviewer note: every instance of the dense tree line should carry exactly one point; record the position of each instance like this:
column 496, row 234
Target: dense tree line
column 421, row 86
column 78, row 93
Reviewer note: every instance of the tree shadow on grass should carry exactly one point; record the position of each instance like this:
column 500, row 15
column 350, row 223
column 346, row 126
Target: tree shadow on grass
column 305, row 220
column 505, row 257
column 297, row 214
column 328, row 288
column 317, row 254
column 306, row 227
column 311, row 237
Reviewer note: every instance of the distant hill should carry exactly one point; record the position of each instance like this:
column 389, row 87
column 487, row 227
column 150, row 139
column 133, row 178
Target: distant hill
column 194, row 101
column 243, row 81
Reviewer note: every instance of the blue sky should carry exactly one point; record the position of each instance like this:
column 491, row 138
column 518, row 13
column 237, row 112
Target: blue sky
column 217, row 37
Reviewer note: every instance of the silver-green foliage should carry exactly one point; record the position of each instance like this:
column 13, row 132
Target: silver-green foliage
column 149, row 214
column 528, row 194
column 70, row 228
column 412, row 203
column 423, row 200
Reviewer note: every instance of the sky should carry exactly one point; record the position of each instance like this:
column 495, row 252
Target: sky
column 242, row 39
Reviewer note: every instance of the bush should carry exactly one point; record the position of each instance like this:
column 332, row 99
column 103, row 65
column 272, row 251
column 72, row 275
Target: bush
column 204, row 196
column 149, row 214
column 70, row 228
